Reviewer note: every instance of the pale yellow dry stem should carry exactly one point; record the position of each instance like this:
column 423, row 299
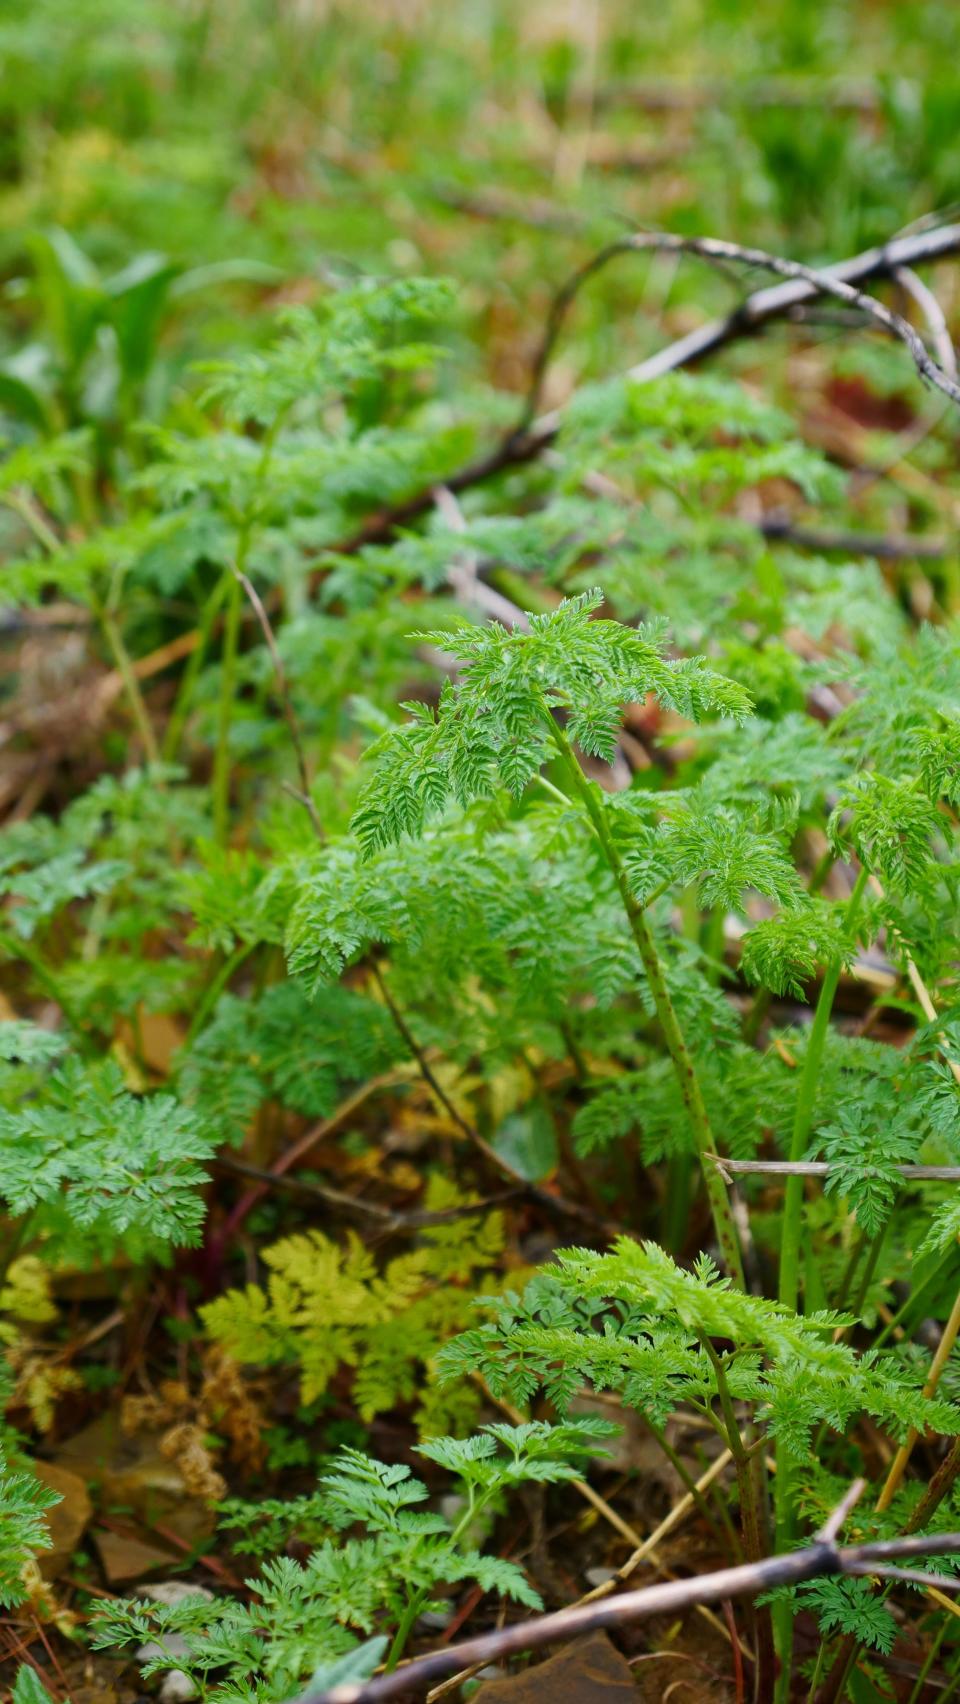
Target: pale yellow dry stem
column 644, row 1548
column 898, row 1466
column 943, row 1601
column 922, row 992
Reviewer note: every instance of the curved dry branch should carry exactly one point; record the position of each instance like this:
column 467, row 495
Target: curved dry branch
column 753, row 312
column 526, row 441
column 821, row 1558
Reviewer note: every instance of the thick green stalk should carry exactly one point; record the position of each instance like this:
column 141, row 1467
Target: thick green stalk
column 803, row 1116
column 404, row 1629
column 683, row 1065
column 215, row 988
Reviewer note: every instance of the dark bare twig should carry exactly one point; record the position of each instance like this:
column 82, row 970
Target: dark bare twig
column 886, row 547
column 821, row 1168
column 665, row 95
column 387, row 1219
column 822, row 1558
column 530, row 210
column 525, row 442
column 544, row 1198
column 717, row 251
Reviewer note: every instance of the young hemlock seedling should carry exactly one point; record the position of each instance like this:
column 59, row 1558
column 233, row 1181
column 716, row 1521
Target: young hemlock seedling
column 352, row 1590
column 23, row 1529
column 499, row 723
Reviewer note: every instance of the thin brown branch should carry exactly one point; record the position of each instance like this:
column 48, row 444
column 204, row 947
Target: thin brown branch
column 824, row 1557
column 666, row 95
column 886, row 547
column 286, row 700
column 526, row 441
column 534, row 211
column 822, row 1168
column 553, row 1203
column 720, row 252
column 386, row 1219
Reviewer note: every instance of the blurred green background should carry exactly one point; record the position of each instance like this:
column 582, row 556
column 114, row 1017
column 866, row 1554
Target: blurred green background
column 484, row 140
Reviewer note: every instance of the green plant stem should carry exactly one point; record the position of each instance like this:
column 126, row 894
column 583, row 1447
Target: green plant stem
column 215, row 987
column 474, row 1507
column 231, row 635
column 751, row 1517
column 870, row 1266
column 806, row 1102
column 178, row 715
column 690, row 1486
column 905, row 1307
column 124, row 667
column 790, row 1250
column 690, row 1090
column 951, row 1690
column 929, row 1660
column 404, row 1629
column 47, row 978
column 33, row 518
column 228, row 685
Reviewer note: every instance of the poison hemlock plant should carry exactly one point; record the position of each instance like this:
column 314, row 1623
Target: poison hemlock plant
column 23, row 1529
column 665, row 1339
column 354, row 1589
column 90, row 1167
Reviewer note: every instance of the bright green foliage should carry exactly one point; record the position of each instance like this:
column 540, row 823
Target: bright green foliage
column 358, row 337
column 28, row 1044
column 28, row 1688
column 299, row 1052
column 92, row 1166
column 634, row 1322
column 494, row 723
column 91, row 888
column 23, row 1530
column 891, row 826
column 726, row 853
column 303, row 1615
column 864, row 1152
column 325, row 1307
column 215, row 352
column 783, row 952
